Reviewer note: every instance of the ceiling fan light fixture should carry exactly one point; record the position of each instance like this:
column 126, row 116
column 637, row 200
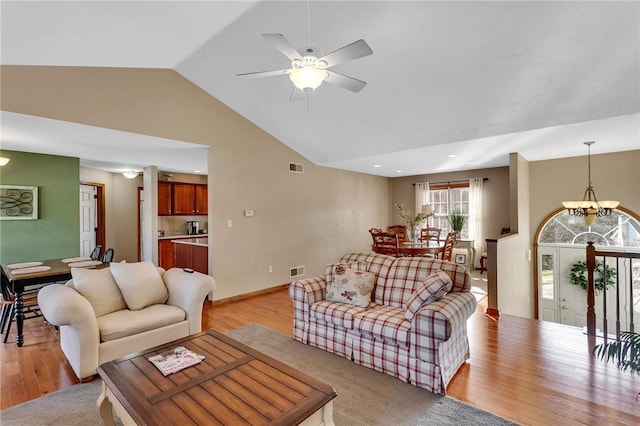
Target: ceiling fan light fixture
column 307, row 78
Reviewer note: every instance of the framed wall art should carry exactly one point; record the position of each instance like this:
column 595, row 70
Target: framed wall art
column 18, row 202
column 460, row 258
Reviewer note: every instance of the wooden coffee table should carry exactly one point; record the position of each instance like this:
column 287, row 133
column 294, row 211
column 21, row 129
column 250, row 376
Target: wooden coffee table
column 233, row 385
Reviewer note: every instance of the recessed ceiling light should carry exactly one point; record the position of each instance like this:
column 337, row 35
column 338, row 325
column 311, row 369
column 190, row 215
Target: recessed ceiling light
column 377, row 165
column 197, row 171
column 398, row 171
column 452, row 155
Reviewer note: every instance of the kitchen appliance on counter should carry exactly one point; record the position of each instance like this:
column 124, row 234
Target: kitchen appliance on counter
column 193, row 227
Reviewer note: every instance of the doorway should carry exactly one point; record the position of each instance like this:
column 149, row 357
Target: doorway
column 92, row 217
column 559, row 248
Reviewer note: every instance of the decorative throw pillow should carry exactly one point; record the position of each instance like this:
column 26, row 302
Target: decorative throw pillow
column 351, row 286
column 330, row 269
column 99, row 288
column 434, row 287
column 140, row 283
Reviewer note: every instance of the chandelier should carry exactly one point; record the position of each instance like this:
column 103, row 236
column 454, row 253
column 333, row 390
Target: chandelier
column 590, row 207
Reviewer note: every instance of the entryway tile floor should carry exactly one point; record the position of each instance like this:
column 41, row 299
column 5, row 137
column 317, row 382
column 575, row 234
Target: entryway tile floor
column 479, row 285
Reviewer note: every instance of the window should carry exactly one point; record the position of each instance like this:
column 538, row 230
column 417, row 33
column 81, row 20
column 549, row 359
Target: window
column 618, row 230
column 446, row 199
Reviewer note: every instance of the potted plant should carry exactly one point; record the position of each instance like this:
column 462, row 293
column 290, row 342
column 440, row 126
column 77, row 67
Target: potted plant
column 625, row 353
column 413, row 222
column 456, row 219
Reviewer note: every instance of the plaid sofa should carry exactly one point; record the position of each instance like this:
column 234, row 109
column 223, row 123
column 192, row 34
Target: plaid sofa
column 426, row 351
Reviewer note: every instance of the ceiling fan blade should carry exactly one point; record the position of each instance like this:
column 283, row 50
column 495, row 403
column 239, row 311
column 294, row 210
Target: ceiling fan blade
column 263, row 73
column 352, row 51
column 296, row 95
column 283, row 45
column 345, row 81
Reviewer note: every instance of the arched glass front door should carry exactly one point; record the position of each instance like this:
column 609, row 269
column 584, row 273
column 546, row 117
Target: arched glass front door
column 560, row 244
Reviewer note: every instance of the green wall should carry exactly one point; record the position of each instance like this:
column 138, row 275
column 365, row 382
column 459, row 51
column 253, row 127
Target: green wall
column 56, row 233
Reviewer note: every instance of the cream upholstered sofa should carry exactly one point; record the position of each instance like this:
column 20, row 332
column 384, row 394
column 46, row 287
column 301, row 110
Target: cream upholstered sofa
column 413, row 324
column 108, row 313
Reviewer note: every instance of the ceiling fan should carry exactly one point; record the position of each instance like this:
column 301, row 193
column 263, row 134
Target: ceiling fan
column 308, row 71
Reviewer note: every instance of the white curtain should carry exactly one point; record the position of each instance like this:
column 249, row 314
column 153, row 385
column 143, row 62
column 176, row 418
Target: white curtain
column 475, row 215
column 422, row 196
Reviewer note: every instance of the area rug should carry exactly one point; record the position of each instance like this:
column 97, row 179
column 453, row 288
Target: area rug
column 365, row 397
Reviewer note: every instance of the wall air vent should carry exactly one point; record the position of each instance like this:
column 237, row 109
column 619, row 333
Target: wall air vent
column 296, row 272
column 296, row 168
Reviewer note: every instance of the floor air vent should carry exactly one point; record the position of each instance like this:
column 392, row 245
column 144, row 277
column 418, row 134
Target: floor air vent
column 296, row 272
column 296, row 168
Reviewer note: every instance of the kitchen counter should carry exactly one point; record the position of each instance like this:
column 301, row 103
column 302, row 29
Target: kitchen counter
column 177, row 237
column 197, row 241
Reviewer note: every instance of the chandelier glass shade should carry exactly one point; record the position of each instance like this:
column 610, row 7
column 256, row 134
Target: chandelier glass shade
column 307, row 78
column 589, row 207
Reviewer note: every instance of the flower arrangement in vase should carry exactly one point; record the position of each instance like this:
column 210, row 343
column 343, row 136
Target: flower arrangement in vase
column 413, row 222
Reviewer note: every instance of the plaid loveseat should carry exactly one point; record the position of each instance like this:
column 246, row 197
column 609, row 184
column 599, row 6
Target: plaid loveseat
column 426, row 351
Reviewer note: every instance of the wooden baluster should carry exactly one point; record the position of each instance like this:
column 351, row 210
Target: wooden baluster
column 591, row 314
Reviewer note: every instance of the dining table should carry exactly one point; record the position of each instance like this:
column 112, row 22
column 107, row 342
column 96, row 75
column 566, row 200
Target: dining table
column 421, row 248
column 19, row 277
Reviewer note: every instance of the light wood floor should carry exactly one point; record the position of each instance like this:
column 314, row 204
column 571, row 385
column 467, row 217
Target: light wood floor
column 526, row 371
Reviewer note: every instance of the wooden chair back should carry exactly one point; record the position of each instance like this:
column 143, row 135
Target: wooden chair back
column 400, row 230
column 430, row 234
column 374, row 231
column 386, row 243
column 449, row 242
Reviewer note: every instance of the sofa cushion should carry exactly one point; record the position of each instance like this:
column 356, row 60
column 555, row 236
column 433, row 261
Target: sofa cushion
column 351, row 286
column 383, row 322
column 99, row 288
column 330, row 269
column 340, row 314
column 433, row 288
column 127, row 322
column 140, row 283
column 377, row 263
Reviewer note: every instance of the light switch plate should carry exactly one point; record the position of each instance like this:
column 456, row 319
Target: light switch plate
column 229, row 223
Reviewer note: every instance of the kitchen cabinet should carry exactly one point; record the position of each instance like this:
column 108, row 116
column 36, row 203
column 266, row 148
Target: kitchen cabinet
column 182, row 199
column 165, row 254
column 191, row 255
column 201, row 199
column 164, row 198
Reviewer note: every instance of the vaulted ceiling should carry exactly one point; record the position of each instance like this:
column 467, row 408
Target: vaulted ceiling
column 451, row 85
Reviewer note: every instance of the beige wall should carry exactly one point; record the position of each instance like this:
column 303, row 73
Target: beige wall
column 496, row 195
column 614, row 176
column 307, row 219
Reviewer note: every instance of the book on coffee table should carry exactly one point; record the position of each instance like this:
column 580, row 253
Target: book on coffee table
column 175, row 360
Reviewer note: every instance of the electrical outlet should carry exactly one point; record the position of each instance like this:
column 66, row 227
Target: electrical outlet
column 248, row 213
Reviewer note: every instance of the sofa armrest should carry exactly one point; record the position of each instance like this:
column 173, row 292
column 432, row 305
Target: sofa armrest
column 436, row 322
column 62, row 305
column 188, row 291
column 303, row 293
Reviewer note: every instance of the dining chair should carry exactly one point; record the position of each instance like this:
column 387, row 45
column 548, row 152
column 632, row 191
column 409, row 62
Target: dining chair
column 386, row 243
column 399, row 230
column 30, row 307
column 449, row 242
column 97, row 251
column 430, row 234
column 374, row 231
column 108, row 256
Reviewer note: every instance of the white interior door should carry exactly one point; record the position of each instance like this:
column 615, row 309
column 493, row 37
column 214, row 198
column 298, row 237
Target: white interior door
column 88, row 211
